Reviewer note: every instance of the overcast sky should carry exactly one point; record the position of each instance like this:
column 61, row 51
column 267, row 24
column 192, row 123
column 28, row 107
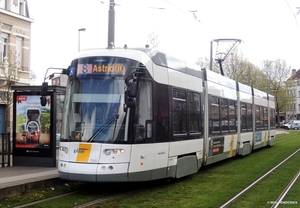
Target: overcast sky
column 269, row 29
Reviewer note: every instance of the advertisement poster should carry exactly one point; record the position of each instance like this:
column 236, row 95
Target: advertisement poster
column 32, row 122
column 258, row 137
column 216, row 146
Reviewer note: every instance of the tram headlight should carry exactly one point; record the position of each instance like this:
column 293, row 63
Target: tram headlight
column 114, row 151
column 64, row 149
column 107, row 151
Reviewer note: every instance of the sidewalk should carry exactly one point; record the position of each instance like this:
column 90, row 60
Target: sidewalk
column 281, row 131
column 18, row 179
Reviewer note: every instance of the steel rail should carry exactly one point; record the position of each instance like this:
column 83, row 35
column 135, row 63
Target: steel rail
column 278, row 201
column 258, row 180
column 102, row 199
column 48, row 199
column 292, row 137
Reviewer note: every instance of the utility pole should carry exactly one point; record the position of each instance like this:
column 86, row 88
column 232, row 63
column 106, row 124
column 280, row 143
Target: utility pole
column 111, row 24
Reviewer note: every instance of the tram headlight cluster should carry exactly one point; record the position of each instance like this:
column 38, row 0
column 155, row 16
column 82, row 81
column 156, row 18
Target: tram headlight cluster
column 114, row 151
column 64, row 149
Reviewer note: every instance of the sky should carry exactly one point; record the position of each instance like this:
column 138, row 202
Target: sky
column 269, row 29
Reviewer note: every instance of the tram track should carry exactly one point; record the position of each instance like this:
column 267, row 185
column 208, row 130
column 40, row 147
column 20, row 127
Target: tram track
column 87, row 204
column 100, row 197
column 260, row 179
column 286, row 139
column 279, row 200
column 47, row 199
column 94, row 202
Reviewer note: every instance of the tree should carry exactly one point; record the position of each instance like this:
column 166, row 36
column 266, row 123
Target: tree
column 238, row 68
column 153, row 40
column 8, row 77
column 205, row 63
column 277, row 73
column 32, row 77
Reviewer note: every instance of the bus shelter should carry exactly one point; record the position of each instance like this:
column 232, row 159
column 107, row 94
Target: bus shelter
column 36, row 128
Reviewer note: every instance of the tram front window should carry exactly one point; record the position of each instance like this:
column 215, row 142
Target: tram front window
column 94, row 110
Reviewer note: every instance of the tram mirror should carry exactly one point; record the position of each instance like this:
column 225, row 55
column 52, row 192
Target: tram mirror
column 130, row 102
column 43, row 100
column 44, row 89
column 132, row 89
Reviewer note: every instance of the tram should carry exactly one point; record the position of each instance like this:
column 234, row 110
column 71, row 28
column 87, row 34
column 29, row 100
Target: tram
column 140, row 114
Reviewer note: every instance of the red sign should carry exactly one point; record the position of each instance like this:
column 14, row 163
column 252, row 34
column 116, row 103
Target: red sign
column 21, row 98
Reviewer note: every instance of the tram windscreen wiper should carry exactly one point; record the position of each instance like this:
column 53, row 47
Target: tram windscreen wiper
column 103, row 129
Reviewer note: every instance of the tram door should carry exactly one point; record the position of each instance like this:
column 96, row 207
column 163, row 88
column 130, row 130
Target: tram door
column 148, row 159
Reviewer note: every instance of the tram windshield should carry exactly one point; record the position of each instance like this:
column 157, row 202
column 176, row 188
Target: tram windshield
column 95, row 112
column 93, row 109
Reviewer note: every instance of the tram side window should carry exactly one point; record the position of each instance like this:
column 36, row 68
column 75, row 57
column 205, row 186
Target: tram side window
column 195, row 121
column 161, row 113
column 261, row 117
column 142, row 132
column 265, row 117
column 258, row 118
column 224, row 116
column 246, row 117
column 232, row 116
column 243, row 112
column 249, row 117
column 272, row 123
column 179, row 112
column 214, row 115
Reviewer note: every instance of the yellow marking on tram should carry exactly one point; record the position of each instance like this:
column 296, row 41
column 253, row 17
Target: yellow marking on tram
column 83, row 152
column 231, row 146
column 265, row 138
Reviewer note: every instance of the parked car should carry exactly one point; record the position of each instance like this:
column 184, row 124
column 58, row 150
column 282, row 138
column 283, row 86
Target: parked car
column 281, row 124
column 294, row 124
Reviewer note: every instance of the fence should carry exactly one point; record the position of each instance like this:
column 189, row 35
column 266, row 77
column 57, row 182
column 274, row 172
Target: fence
column 6, row 149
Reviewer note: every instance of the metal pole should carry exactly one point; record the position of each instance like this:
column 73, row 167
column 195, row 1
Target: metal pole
column 78, row 40
column 111, row 24
column 211, row 58
column 79, row 30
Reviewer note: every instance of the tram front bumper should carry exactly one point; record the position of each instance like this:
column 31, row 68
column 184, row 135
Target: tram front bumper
column 92, row 172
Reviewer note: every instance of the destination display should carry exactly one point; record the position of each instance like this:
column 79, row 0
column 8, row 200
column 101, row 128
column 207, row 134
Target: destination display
column 103, row 68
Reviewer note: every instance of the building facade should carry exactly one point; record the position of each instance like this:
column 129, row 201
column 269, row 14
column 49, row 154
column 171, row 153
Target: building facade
column 15, row 33
column 293, row 111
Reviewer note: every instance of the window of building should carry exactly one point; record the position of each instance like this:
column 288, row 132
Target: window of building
column 4, row 46
column 19, row 50
column 16, row 2
column 21, row 8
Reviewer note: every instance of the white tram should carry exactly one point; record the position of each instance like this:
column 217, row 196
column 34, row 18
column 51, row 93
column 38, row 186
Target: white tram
column 139, row 115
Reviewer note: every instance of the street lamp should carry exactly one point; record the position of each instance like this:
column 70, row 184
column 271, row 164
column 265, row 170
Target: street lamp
column 80, row 30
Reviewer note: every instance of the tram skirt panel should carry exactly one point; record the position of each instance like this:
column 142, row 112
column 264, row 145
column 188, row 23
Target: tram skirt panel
column 186, row 166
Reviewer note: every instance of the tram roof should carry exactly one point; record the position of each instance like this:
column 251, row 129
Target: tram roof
column 158, row 57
